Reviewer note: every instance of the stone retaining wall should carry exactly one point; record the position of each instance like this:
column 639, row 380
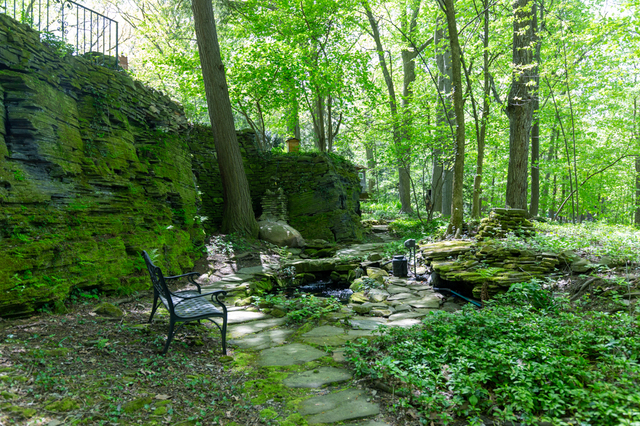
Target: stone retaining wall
column 93, row 169
column 323, row 191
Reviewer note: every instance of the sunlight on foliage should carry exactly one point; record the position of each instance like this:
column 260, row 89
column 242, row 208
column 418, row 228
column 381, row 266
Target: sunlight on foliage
column 620, row 243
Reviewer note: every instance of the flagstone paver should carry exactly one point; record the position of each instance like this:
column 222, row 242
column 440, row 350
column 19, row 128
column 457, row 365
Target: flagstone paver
column 264, row 340
column 317, row 378
column 295, row 353
column 240, row 316
column 242, row 329
column 333, row 336
column 366, row 323
column 339, row 406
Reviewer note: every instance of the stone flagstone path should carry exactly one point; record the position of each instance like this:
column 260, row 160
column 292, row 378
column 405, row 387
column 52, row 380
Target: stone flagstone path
column 333, row 397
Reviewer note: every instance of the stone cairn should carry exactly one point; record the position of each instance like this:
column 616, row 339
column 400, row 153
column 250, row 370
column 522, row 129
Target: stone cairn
column 502, row 221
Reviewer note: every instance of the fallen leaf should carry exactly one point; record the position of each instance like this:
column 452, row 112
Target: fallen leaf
column 162, row 397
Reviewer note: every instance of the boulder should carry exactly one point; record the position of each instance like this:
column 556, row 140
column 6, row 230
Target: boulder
column 280, row 234
column 377, row 274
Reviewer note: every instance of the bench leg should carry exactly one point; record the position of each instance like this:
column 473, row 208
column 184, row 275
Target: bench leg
column 169, row 337
column 155, row 304
column 224, row 335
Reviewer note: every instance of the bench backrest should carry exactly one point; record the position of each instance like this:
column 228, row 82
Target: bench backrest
column 158, row 281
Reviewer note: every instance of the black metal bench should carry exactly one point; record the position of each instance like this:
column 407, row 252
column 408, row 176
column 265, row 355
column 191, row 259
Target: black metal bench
column 186, row 306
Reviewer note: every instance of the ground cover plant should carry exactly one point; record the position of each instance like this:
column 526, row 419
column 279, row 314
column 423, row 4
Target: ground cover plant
column 593, row 240
column 513, row 361
column 78, row 368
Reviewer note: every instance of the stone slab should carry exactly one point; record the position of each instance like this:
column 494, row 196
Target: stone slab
column 317, row 378
column 365, row 323
column 395, row 289
column 404, row 323
column 293, row 354
column 237, row 317
column 252, row 270
column 263, row 340
column 332, row 336
column 405, row 315
column 337, row 407
column 239, row 330
column 430, row 301
column 401, row 296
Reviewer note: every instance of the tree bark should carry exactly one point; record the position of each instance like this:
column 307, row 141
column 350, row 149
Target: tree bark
column 442, row 178
column 238, row 215
column 477, row 181
column 547, row 182
column 404, row 169
column 371, row 164
column 455, row 224
column 520, row 105
column 535, row 129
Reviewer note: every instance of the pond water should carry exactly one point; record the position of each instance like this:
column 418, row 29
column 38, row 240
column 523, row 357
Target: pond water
column 326, row 288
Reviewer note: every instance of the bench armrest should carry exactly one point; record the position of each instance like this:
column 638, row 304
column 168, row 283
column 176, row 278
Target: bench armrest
column 180, row 276
column 214, row 294
column 190, row 276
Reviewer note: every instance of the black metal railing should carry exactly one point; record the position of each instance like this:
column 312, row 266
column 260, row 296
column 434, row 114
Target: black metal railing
column 70, row 25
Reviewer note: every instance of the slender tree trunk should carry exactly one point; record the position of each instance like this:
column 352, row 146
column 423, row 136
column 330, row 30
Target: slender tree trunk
column 457, row 208
column 321, row 141
column 238, row 214
column 520, row 104
column 636, row 136
column 404, row 170
column 546, row 183
column 535, row 129
column 477, row 181
column 442, row 178
column 371, row 164
column 398, row 131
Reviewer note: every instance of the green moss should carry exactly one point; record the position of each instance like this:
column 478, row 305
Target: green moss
column 20, row 411
column 295, row 419
column 137, row 404
column 63, row 405
column 267, row 414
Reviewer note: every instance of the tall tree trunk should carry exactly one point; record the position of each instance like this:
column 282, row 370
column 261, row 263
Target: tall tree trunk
column 399, row 133
column 238, row 215
column 535, row 129
column 321, row 141
column 371, row 164
column 457, row 208
column 520, row 104
column 477, row 181
column 404, row 169
column 546, row 182
column 442, row 178
column 636, row 136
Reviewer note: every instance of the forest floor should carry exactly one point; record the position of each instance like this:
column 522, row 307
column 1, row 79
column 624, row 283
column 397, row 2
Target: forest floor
column 81, row 368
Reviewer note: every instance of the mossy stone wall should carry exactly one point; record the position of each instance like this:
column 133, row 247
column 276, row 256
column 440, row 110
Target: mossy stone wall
column 94, row 168
column 323, row 191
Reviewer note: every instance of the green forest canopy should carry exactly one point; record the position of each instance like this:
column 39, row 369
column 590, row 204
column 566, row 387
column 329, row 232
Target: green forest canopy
column 370, row 80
